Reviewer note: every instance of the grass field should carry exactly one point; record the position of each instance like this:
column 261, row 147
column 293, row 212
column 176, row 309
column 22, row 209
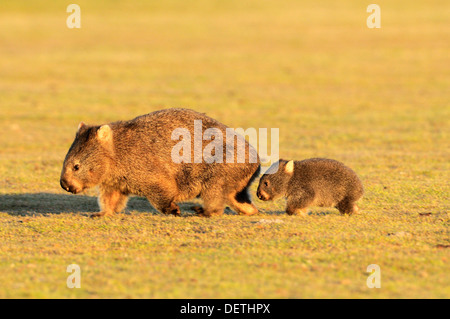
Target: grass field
column 376, row 99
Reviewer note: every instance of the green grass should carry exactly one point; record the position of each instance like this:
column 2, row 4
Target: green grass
column 378, row 100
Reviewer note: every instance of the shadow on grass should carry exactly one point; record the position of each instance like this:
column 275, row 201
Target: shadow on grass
column 310, row 213
column 47, row 203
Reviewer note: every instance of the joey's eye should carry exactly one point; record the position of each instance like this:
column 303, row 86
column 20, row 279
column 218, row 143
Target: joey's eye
column 266, row 183
column 76, row 167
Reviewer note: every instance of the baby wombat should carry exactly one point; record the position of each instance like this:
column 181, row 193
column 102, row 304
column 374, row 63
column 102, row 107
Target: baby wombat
column 312, row 182
column 141, row 157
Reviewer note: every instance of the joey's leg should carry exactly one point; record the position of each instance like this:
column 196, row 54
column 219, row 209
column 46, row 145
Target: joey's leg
column 347, row 207
column 111, row 201
column 298, row 205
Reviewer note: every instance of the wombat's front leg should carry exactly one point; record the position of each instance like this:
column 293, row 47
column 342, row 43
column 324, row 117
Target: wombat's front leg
column 164, row 204
column 111, row 201
column 298, row 205
column 172, row 209
column 161, row 195
column 347, row 207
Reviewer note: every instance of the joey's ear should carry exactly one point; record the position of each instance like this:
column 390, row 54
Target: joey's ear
column 104, row 133
column 289, row 167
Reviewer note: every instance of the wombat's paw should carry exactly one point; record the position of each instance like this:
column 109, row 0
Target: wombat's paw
column 251, row 211
column 200, row 211
column 197, row 209
column 302, row 212
column 297, row 211
column 290, row 212
column 353, row 210
column 245, row 209
column 101, row 214
column 173, row 209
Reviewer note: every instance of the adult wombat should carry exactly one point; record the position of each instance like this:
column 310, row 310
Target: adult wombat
column 135, row 157
column 312, row 182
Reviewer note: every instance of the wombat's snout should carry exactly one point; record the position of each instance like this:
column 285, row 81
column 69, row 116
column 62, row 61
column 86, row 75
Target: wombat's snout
column 66, row 186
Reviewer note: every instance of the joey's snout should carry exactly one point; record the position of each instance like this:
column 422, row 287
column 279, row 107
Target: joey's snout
column 262, row 195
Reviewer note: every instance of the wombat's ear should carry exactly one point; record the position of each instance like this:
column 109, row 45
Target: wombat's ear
column 289, row 167
column 104, row 133
column 80, row 126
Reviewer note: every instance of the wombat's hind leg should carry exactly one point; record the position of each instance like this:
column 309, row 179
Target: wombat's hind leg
column 208, row 211
column 213, row 209
column 111, row 201
column 213, row 203
column 241, row 203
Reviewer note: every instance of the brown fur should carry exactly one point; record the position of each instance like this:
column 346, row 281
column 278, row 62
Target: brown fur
column 312, row 182
column 134, row 157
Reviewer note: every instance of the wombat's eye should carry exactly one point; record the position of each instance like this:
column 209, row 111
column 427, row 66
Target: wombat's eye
column 76, row 167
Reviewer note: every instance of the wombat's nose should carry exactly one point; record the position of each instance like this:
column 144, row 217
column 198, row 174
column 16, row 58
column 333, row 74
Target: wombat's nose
column 64, row 184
